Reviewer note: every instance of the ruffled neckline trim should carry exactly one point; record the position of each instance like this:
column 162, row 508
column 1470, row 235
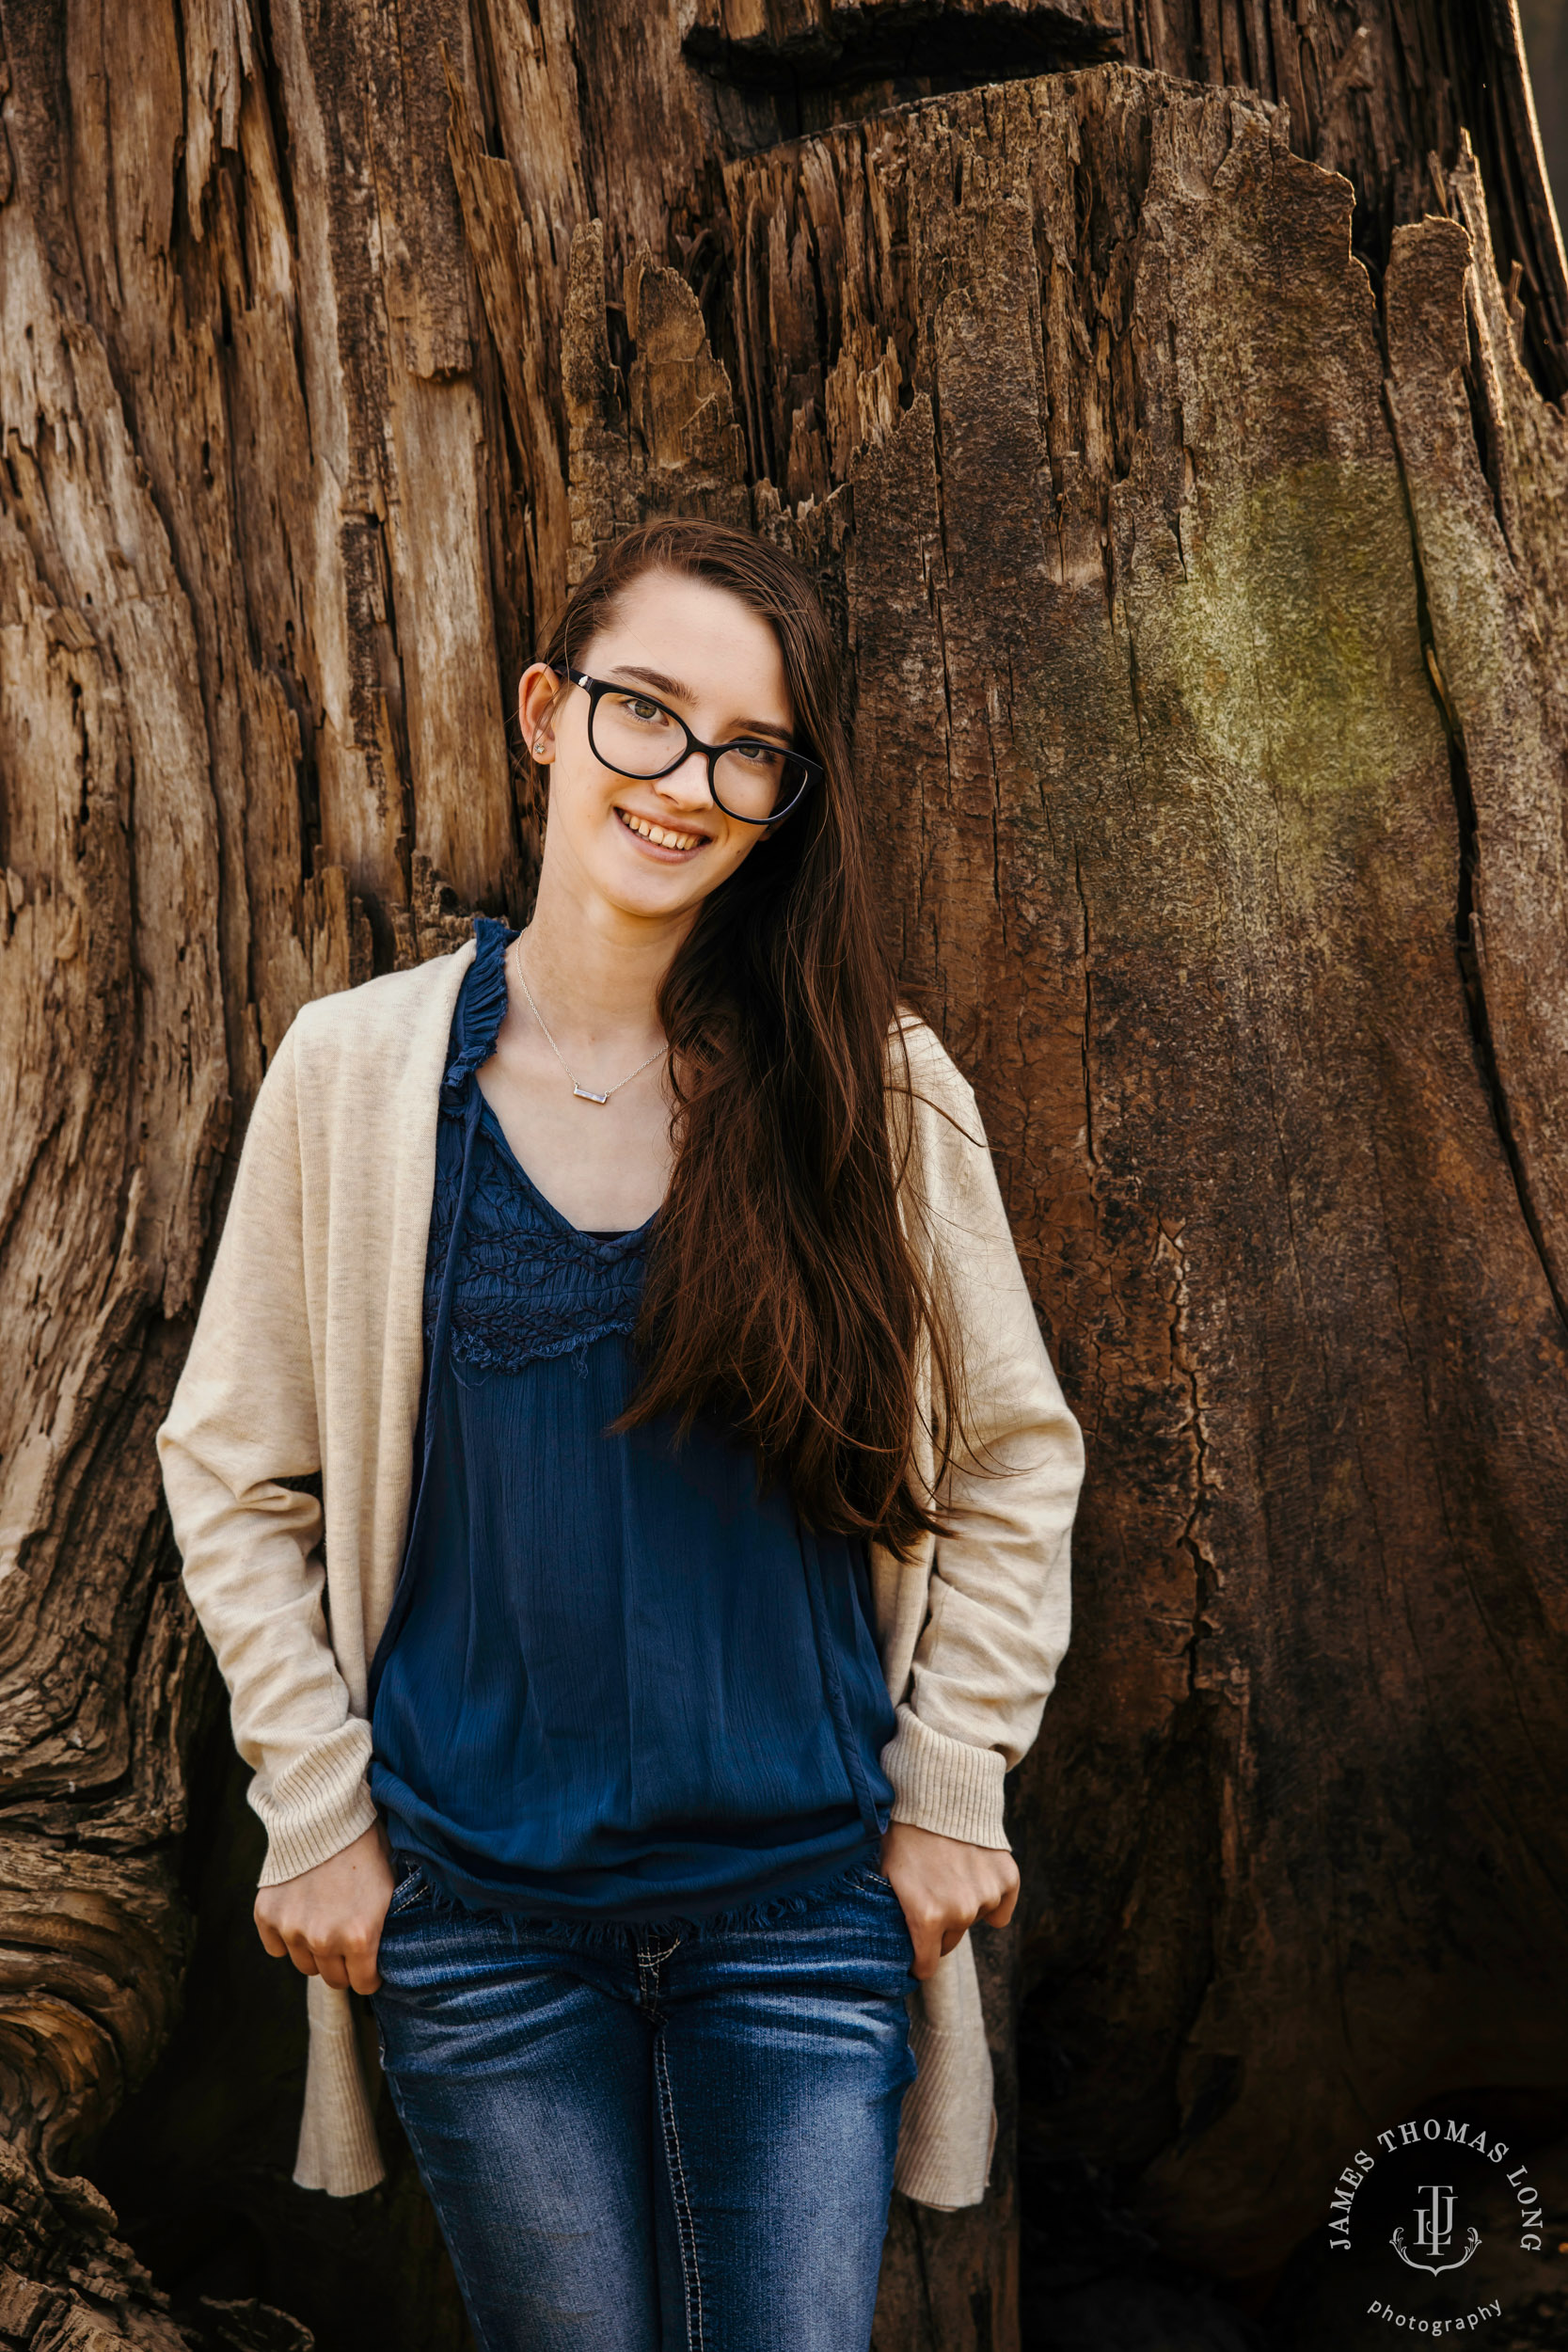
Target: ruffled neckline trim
column 481, row 1010
column 481, row 1007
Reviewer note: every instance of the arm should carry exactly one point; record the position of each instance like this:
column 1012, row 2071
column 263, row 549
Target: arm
column 998, row 1595
column 241, row 1420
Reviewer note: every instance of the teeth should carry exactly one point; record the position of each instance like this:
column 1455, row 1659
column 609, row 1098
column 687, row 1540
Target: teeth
column 660, row 835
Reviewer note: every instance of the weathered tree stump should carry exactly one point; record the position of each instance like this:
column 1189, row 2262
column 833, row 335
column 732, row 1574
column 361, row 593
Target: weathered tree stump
column 1192, row 496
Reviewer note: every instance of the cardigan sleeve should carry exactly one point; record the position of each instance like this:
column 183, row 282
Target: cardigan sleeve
column 243, row 1423
column 999, row 1599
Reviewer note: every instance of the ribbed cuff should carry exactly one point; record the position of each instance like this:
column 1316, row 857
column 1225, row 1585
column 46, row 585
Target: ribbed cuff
column 322, row 1804
column 945, row 1785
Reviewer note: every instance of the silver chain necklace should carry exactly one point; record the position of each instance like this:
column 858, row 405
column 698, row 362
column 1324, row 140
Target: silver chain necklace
column 584, row 1094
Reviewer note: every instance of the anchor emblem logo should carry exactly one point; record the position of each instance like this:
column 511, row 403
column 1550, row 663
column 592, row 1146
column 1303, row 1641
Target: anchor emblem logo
column 1434, row 2232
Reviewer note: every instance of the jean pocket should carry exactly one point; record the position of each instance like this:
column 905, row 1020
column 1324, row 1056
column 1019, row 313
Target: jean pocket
column 412, row 1888
column 873, row 1881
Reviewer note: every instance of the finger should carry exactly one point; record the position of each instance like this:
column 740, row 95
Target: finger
column 299, row 1951
column 926, row 1940
column 272, row 1942
column 363, row 1974
column 359, row 1957
column 998, row 1913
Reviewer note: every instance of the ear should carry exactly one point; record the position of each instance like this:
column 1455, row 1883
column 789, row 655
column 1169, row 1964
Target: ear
column 537, row 693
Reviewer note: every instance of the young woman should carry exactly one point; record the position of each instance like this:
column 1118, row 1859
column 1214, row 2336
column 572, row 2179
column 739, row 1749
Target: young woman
column 629, row 1716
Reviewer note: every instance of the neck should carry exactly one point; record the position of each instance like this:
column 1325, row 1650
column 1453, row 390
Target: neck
column 596, row 970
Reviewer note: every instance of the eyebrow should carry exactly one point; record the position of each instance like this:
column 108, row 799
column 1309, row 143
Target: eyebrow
column 679, row 693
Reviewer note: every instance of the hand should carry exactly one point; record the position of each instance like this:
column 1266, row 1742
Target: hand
column 327, row 1921
column 946, row 1887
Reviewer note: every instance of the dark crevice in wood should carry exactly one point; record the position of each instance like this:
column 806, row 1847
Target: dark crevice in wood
column 1480, row 423
column 1487, row 91
column 307, row 774
column 1088, row 1016
column 269, row 86
column 1467, row 950
column 270, row 89
column 944, row 52
column 384, row 954
column 622, row 350
column 1205, row 1582
column 485, row 74
column 1468, row 947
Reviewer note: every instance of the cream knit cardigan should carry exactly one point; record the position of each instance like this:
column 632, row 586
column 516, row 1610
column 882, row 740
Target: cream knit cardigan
column 307, row 1356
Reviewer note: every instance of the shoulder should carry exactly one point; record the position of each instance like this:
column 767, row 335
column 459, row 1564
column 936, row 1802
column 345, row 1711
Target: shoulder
column 346, row 1059
column 949, row 1192
column 914, row 1049
column 941, row 1151
column 381, row 1017
column 925, row 1083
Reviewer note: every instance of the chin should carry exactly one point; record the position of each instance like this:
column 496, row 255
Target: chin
column 650, row 895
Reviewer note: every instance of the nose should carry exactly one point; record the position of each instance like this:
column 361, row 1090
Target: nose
column 687, row 786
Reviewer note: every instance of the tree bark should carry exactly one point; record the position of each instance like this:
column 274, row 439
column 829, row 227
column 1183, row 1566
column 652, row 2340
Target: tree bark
column 1543, row 24
column 1193, row 515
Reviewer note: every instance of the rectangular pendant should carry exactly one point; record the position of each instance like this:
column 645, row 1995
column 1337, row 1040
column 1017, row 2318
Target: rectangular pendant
column 586, row 1094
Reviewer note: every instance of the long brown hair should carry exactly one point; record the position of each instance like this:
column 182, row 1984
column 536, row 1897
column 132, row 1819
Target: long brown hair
column 782, row 1293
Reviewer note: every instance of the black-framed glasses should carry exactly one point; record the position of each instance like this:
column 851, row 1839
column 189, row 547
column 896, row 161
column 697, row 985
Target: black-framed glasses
column 634, row 734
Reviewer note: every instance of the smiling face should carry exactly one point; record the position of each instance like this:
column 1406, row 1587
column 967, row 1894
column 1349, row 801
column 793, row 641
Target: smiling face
column 651, row 846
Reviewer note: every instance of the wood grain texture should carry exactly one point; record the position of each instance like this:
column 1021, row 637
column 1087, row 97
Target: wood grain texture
column 1495, row 568
column 1166, row 807
column 1369, row 88
column 1205, row 594
column 207, row 716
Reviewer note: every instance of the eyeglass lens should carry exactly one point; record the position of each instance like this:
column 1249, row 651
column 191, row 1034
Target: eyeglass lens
column 635, row 736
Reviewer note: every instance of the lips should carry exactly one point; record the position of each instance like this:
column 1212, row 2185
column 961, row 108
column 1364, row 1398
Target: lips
column 662, row 836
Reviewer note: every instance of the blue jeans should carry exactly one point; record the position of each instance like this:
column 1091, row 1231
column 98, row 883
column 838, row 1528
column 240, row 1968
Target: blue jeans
column 638, row 2139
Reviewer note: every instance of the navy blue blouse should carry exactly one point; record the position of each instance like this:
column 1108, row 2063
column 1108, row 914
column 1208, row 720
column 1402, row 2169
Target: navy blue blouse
column 617, row 1682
